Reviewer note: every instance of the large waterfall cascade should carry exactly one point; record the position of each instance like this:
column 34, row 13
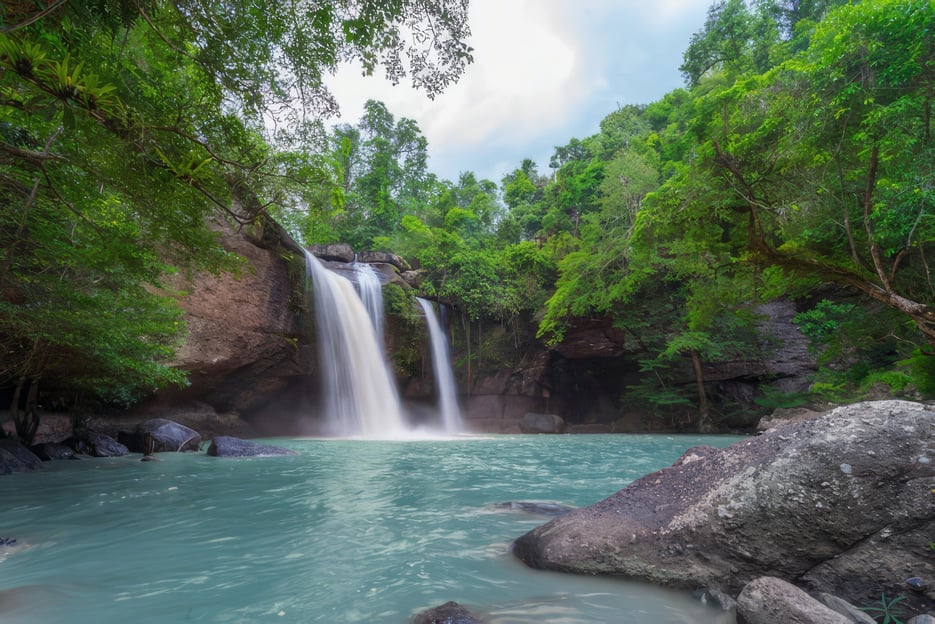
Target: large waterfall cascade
column 360, row 397
column 444, row 377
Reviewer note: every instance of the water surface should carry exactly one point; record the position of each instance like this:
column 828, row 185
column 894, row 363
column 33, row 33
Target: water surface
column 346, row 531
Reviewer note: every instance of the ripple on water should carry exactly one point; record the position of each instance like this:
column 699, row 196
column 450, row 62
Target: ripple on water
column 346, row 531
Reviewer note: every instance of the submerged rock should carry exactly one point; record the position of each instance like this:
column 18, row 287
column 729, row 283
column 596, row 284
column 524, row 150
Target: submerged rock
column 841, row 503
column 228, row 446
column 448, row 613
column 542, row 509
column 14, row 457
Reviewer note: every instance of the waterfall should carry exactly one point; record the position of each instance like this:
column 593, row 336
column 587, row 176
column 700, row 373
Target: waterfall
column 444, row 377
column 360, row 397
column 371, row 293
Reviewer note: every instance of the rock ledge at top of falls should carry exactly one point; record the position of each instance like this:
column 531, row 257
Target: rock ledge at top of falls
column 342, row 252
column 842, row 503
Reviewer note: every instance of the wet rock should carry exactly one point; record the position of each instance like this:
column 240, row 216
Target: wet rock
column 769, row 600
column 841, row 503
column 916, row 583
column 167, row 436
column 540, row 509
column 97, row 445
column 541, row 423
column 715, row 598
column 14, row 457
column 448, row 613
column 48, row 451
column 228, row 446
column 7, row 541
column 924, row 618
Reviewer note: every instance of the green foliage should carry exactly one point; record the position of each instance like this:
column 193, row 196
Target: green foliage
column 772, row 399
column 922, row 372
column 887, row 609
column 408, row 329
column 823, row 322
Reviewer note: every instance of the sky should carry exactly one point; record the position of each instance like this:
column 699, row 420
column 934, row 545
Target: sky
column 544, row 72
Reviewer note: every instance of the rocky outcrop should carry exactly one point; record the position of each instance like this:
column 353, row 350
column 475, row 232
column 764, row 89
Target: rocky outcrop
column 842, row 503
column 335, row 252
column 382, row 257
column 14, row 457
column 228, row 446
column 590, row 338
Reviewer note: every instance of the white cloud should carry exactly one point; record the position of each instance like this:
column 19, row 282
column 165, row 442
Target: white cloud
column 542, row 69
column 523, row 79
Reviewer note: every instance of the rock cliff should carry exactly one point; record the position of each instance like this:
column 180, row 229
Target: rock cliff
column 245, row 345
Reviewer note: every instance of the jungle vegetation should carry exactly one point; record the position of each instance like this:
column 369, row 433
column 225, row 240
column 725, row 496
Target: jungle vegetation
column 796, row 163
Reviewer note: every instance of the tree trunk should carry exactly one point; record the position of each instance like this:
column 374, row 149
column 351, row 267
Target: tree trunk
column 26, row 416
column 704, row 423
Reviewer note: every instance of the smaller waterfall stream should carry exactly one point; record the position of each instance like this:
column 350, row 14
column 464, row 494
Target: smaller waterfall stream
column 444, row 377
column 360, row 397
column 371, row 293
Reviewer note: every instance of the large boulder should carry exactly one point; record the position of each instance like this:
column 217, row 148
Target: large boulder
column 14, row 457
column 334, row 252
column 842, row 503
column 167, row 436
column 47, row 451
column 97, row 445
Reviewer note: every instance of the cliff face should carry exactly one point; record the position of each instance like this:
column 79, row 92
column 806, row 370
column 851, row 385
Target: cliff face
column 587, row 379
column 251, row 357
column 245, row 347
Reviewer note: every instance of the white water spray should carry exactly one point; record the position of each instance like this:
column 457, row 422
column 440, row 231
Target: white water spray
column 360, row 397
column 444, row 377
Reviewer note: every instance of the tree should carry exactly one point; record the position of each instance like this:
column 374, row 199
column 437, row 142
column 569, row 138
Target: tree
column 826, row 163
